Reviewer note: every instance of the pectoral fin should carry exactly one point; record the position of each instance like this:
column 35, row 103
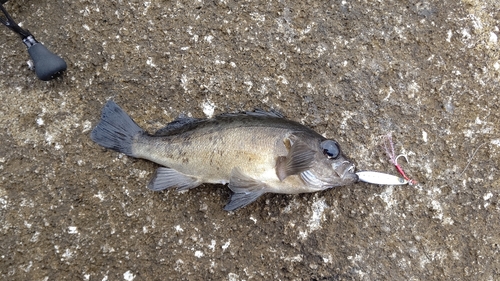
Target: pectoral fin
column 246, row 190
column 167, row 178
column 299, row 159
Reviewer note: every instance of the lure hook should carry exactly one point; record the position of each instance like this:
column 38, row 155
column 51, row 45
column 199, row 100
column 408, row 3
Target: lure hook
column 401, row 155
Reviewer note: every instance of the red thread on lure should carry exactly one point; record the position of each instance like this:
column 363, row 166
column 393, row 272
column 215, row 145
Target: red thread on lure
column 389, row 150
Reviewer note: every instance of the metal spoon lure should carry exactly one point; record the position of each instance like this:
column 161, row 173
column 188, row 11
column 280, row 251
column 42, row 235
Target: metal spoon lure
column 380, row 178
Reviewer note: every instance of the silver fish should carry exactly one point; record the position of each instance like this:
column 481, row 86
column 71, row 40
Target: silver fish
column 254, row 152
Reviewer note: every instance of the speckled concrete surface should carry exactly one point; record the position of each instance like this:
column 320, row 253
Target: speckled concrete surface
column 427, row 71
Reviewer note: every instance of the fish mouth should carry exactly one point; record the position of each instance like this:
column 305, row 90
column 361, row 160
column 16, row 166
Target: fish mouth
column 345, row 170
column 344, row 174
column 350, row 170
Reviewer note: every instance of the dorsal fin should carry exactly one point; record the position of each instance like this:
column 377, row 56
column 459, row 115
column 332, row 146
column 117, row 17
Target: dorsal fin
column 185, row 123
column 175, row 125
column 270, row 113
column 257, row 112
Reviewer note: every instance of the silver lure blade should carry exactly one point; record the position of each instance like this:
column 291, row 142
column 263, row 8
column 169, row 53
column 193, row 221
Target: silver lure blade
column 380, row 178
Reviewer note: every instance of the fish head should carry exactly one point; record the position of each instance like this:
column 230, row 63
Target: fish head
column 330, row 166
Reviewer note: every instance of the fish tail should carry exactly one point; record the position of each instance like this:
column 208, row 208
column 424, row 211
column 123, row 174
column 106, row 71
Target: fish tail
column 116, row 130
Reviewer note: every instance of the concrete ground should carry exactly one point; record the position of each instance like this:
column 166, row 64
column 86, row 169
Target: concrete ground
column 427, row 71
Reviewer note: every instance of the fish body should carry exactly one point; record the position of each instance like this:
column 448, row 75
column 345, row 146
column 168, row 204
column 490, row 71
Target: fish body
column 253, row 152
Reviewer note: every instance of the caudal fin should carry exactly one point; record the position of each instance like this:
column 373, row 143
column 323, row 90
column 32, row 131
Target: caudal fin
column 116, row 130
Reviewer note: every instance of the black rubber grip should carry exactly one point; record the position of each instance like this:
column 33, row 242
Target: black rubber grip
column 47, row 64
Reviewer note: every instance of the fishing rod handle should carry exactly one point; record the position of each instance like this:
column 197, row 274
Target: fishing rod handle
column 47, row 64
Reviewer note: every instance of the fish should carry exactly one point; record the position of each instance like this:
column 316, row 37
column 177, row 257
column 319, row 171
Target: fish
column 253, row 152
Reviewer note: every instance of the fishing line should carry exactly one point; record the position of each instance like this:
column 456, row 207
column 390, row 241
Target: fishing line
column 470, row 159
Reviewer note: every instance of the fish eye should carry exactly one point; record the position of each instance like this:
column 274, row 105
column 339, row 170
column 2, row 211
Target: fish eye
column 330, row 148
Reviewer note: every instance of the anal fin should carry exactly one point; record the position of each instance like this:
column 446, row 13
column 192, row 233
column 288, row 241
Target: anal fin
column 245, row 190
column 169, row 178
column 239, row 200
